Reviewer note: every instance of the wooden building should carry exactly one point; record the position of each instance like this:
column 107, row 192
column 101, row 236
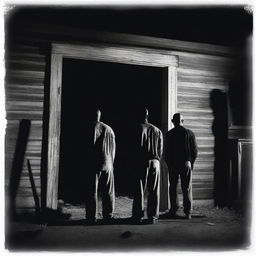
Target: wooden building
column 36, row 55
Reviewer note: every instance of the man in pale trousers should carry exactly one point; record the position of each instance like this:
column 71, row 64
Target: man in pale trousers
column 148, row 150
column 101, row 155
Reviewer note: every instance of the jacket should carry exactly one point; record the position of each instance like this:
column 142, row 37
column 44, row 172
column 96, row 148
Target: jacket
column 180, row 147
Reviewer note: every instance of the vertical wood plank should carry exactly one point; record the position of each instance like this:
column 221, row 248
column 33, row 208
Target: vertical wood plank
column 164, row 184
column 172, row 94
column 169, row 107
column 164, row 100
column 54, row 132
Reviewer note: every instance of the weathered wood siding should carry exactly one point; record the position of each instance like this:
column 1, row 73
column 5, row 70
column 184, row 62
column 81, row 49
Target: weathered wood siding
column 25, row 83
column 25, row 72
column 197, row 76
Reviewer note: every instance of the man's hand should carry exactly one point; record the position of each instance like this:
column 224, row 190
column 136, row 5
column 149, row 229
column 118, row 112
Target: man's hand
column 188, row 166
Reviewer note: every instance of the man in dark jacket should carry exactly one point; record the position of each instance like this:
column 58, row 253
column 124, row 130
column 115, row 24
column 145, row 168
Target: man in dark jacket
column 180, row 154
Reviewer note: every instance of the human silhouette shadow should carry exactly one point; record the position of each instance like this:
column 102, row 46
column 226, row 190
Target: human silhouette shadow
column 218, row 103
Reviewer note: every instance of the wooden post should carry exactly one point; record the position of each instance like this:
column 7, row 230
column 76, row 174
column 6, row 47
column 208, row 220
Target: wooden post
column 54, row 132
column 169, row 107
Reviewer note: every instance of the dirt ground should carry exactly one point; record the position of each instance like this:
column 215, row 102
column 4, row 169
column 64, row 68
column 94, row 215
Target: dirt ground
column 210, row 229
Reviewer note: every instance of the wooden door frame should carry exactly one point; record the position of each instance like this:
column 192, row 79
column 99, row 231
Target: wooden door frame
column 108, row 53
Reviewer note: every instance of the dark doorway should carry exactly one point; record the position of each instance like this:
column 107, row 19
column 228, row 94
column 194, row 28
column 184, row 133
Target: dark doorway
column 119, row 90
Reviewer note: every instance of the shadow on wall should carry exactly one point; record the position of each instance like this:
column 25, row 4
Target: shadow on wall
column 17, row 164
column 218, row 101
column 15, row 175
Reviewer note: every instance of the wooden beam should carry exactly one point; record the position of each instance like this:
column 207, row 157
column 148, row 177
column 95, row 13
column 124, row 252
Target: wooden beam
column 54, row 132
column 117, row 54
column 172, row 94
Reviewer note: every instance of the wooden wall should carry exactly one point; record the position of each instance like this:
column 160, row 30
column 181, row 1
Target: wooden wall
column 25, row 74
column 198, row 75
column 27, row 50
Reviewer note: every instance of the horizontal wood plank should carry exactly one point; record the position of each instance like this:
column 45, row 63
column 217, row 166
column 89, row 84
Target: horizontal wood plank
column 128, row 55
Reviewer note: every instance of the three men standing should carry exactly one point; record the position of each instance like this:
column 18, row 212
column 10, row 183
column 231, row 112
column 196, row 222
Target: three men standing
column 180, row 154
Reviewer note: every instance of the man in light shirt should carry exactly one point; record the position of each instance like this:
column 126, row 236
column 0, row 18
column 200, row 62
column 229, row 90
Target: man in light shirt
column 148, row 151
column 101, row 155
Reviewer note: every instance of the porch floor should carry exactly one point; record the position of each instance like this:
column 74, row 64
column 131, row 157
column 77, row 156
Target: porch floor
column 210, row 228
column 123, row 209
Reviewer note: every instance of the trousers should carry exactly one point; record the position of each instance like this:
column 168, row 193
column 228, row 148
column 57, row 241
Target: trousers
column 105, row 181
column 186, row 186
column 147, row 179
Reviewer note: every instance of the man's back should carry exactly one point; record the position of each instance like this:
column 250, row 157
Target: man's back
column 175, row 145
column 180, row 146
column 151, row 141
column 103, row 146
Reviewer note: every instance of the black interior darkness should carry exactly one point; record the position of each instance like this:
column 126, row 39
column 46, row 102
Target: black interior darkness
column 118, row 90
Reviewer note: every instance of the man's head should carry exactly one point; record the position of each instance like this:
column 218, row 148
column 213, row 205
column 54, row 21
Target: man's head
column 143, row 114
column 97, row 115
column 177, row 119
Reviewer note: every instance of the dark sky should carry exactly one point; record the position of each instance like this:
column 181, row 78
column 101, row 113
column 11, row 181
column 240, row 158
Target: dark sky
column 219, row 25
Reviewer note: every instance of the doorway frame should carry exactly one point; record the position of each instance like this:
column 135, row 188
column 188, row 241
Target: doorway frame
column 107, row 53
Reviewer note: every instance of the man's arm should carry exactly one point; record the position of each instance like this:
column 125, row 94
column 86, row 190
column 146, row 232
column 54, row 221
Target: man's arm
column 160, row 144
column 193, row 147
column 114, row 146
